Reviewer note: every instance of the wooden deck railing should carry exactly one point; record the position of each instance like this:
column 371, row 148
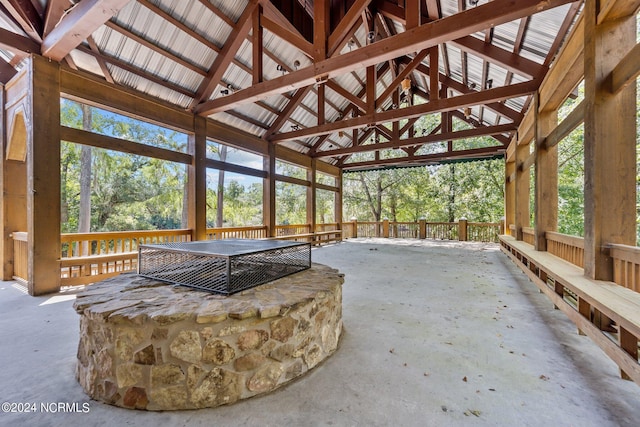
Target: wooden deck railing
column 20, row 257
column 253, row 232
column 91, row 257
column 626, row 266
column 528, row 235
column 569, row 248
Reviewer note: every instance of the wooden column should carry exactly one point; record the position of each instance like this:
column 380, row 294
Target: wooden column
column 269, row 192
column 311, row 196
column 546, row 188
column 43, row 177
column 522, row 189
column 14, row 99
column 609, row 141
column 509, row 193
column 197, row 194
column 337, row 202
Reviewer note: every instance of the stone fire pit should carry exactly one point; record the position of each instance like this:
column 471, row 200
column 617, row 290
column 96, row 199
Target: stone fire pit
column 148, row 345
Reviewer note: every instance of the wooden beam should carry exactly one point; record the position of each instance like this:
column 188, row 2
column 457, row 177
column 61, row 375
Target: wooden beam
column 626, row 72
column 226, row 55
column 230, row 167
column 412, row 13
column 475, row 98
column 616, row 9
column 43, row 177
column 414, row 40
column 426, row 159
column 508, row 60
column 572, row 121
column 321, row 28
column 609, row 143
column 294, row 38
column 16, row 43
column 150, row 45
column 83, row 19
column 55, row 12
column 566, row 72
column 6, row 72
column 92, row 90
column 26, row 15
column 398, row 143
column 92, row 139
column 197, row 180
column 343, row 30
column 355, row 100
column 546, row 177
column 284, row 115
column 257, row 46
column 393, row 86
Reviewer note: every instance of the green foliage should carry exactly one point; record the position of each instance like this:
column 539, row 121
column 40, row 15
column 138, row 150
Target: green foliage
column 473, row 190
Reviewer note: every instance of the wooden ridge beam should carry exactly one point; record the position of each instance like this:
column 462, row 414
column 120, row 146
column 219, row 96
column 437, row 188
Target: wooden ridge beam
column 413, row 40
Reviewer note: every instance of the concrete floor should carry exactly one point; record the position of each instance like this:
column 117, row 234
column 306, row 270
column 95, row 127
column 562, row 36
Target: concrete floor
column 436, row 334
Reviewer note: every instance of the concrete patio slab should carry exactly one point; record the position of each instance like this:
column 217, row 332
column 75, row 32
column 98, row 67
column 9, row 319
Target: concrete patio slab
column 436, row 334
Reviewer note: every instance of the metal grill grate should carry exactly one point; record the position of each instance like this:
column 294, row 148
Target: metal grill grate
column 223, row 266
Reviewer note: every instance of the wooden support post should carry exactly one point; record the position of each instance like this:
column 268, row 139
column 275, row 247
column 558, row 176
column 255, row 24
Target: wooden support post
column 371, row 90
column 385, row 228
column 311, row 196
column 197, row 180
column 584, row 308
column 609, row 141
column 422, row 224
column 43, row 177
column 629, row 343
column 462, row 229
column 354, row 224
column 337, row 202
column 13, row 99
column 269, row 192
column 509, row 194
column 546, row 188
column 522, row 189
column 321, row 104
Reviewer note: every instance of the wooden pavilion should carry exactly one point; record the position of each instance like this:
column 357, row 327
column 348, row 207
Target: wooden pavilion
column 313, row 84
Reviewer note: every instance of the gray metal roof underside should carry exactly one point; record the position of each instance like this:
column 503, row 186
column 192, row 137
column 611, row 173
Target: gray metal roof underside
column 166, row 49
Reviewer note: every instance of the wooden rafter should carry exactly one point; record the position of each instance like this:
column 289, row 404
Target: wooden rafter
column 345, row 28
column 284, row 115
column 424, row 36
column 439, row 105
column 26, row 16
column 16, row 43
column 55, row 12
column 227, row 54
column 77, row 25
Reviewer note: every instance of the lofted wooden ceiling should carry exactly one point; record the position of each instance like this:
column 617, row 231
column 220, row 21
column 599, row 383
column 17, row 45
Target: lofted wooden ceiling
column 349, row 82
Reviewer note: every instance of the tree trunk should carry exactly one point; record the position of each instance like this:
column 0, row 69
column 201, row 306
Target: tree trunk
column 84, row 218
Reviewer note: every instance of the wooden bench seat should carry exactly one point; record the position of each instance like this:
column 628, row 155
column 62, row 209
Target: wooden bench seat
column 595, row 302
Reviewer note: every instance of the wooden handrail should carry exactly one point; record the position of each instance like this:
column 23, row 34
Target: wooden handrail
column 565, row 239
